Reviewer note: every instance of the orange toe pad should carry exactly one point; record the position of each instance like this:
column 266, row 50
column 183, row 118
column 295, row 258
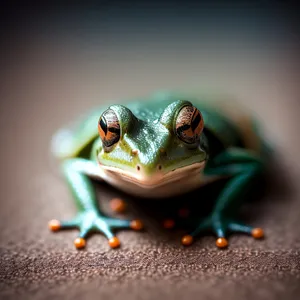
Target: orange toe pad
column 54, row 225
column 136, row 225
column 187, row 240
column 221, row 243
column 79, row 243
column 257, row 233
column 114, row 242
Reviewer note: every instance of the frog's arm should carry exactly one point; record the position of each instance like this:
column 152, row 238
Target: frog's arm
column 242, row 169
column 71, row 141
column 89, row 217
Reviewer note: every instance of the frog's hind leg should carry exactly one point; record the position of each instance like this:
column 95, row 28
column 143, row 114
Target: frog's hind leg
column 89, row 217
column 242, row 169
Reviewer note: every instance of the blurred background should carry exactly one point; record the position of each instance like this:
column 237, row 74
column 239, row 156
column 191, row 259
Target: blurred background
column 59, row 59
column 80, row 55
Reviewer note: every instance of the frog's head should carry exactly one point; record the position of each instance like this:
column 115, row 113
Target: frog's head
column 152, row 153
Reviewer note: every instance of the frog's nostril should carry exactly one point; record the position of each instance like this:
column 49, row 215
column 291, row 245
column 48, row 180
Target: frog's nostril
column 138, row 167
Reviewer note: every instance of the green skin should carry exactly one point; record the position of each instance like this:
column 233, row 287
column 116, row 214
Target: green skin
column 148, row 126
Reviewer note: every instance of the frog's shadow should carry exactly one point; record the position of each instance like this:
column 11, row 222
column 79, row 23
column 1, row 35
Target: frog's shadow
column 271, row 187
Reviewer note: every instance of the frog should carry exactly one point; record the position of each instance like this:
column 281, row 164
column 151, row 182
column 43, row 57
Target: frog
column 159, row 147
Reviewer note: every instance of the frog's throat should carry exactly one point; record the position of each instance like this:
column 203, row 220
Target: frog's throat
column 156, row 179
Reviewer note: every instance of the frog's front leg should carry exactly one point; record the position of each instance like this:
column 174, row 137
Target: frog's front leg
column 242, row 168
column 89, row 217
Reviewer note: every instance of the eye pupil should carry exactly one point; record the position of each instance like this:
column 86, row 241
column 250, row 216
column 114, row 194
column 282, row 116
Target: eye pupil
column 103, row 125
column 196, row 121
column 114, row 130
column 183, row 128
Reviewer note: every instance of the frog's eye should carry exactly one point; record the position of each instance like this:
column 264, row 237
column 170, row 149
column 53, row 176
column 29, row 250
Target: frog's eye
column 189, row 124
column 109, row 128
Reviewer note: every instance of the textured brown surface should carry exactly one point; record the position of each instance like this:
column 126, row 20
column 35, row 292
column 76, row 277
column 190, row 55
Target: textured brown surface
column 46, row 83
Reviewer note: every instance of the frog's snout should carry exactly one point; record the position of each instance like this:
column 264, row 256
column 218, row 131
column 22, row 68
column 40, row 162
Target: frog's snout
column 148, row 164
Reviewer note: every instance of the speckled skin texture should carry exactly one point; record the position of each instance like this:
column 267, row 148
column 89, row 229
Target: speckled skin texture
column 43, row 82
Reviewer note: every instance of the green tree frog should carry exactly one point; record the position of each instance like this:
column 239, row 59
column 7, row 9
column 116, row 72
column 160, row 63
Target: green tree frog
column 161, row 147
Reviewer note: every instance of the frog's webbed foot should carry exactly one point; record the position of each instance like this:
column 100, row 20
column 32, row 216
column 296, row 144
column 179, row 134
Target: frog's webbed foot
column 221, row 227
column 88, row 222
column 242, row 168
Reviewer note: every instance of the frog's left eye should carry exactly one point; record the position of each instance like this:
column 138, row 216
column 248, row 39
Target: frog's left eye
column 189, row 124
column 109, row 128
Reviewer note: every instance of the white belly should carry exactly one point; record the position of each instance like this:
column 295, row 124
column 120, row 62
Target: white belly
column 169, row 189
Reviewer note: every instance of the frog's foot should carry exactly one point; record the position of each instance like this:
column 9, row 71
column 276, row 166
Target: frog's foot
column 88, row 222
column 221, row 227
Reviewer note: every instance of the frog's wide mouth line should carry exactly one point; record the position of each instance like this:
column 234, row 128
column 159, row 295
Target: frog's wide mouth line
column 158, row 178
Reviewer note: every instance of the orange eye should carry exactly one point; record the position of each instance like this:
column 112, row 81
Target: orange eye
column 189, row 124
column 109, row 128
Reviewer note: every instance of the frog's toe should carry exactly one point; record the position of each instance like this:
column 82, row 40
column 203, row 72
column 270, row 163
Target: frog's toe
column 187, row 240
column 113, row 223
column 136, row 225
column 120, row 224
column 221, row 242
column 114, row 242
column 56, row 225
column 79, row 243
column 257, row 233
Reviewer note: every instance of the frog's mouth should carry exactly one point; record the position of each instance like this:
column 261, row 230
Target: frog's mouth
column 159, row 178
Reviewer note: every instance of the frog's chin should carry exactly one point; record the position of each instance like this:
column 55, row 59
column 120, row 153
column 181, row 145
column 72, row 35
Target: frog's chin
column 155, row 180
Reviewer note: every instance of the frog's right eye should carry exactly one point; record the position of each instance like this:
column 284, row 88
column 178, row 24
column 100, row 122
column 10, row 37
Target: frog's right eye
column 109, row 128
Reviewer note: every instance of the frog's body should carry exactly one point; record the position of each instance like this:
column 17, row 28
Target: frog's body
column 160, row 148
